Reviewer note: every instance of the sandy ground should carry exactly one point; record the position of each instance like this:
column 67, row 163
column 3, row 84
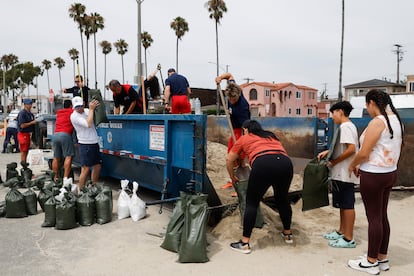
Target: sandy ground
column 124, row 247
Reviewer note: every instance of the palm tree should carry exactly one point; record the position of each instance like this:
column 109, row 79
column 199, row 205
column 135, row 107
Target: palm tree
column 60, row 63
column 216, row 8
column 96, row 22
column 121, row 48
column 180, row 27
column 77, row 12
column 106, row 49
column 342, row 52
column 74, row 55
column 87, row 31
column 7, row 61
column 146, row 43
column 47, row 64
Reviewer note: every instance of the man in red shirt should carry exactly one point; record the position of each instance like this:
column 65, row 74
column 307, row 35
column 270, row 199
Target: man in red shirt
column 63, row 146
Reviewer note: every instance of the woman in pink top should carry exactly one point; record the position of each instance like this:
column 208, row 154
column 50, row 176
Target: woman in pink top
column 376, row 164
column 271, row 166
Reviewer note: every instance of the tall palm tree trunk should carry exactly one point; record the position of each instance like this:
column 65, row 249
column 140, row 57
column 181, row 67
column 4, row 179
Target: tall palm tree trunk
column 176, row 55
column 342, row 52
column 123, row 75
column 74, row 74
column 104, row 90
column 217, row 63
column 87, row 62
column 94, row 47
column 145, row 57
column 60, row 82
column 83, row 53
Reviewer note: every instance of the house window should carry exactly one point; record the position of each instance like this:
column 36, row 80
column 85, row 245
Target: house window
column 411, row 87
column 297, row 111
column 253, row 94
column 298, row 95
column 254, row 111
column 267, row 92
column 310, row 111
column 290, row 110
column 312, row 95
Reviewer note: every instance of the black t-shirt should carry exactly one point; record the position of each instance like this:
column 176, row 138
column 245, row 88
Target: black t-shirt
column 77, row 92
column 126, row 97
column 25, row 117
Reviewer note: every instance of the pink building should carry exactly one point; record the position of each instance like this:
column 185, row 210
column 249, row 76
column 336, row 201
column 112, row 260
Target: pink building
column 280, row 99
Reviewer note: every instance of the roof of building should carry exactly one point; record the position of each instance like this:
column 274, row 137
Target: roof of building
column 277, row 86
column 373, row 83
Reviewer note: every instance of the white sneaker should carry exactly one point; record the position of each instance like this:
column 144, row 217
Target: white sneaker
column 365, row 266
column 384, row 265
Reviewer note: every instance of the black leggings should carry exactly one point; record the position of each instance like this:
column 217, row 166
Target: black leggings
column 274, row 170
column 375, row 191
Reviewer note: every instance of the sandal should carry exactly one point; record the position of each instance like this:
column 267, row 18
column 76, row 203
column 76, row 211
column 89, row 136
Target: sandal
column 334, row 235
column 341, row 243
column 287, row 237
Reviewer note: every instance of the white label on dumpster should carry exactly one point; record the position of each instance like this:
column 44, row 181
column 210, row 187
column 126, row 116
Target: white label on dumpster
column 157, row 137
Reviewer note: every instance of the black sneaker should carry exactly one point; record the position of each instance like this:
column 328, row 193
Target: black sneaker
column 241, row 247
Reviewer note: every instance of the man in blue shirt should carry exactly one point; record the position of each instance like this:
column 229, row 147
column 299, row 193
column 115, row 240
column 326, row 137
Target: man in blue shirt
column 178, row 88
column 26, row 122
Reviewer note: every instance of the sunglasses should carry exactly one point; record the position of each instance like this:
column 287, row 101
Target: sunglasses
column 77, row 81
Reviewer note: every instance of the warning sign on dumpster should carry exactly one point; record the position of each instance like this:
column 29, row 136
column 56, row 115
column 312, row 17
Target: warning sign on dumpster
column 157, row 137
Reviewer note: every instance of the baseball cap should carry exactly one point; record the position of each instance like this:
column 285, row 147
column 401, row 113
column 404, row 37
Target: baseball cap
column 27, row 101
column 171, row 70
column 77, row 102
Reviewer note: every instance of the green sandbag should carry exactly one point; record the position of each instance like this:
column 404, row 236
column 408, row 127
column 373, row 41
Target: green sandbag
column 100, row 111
column 93, row 190
column 315, row 185
column 85, row 209
column 30, row 200
column 193, row 246
column 241, row 189
column 2, row 208
column 108, row 191
column 65, row 214
column 15, row 205
column 174, row 229
column 44, row 195
column 50, row 212
column 103, row 208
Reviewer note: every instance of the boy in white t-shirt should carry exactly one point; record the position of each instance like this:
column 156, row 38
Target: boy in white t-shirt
column 343, row 194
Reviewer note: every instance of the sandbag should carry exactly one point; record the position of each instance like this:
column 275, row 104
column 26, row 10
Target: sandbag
column 15, row 205
column 2, row 208
column 50, row 212
column 11, row 170
column 65, row 214
column 99, row 115
column 193, row 246
column 44, row 195
column 137, row 205
column 103, row 208
column 174, row 230
column 30, row 200
column 315, row 185
column 241, row 189
column 108, row 191
column 86, row 209
column 123, row 201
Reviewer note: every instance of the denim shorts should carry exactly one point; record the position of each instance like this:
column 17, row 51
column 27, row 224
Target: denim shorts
column 89, row 155
column 343, row 195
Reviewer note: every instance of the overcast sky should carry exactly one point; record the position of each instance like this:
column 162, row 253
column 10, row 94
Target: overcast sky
column 266, row 40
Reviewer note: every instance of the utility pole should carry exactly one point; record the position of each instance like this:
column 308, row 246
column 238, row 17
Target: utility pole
column 248, row 79
column 139, row 66
column 399, row 53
